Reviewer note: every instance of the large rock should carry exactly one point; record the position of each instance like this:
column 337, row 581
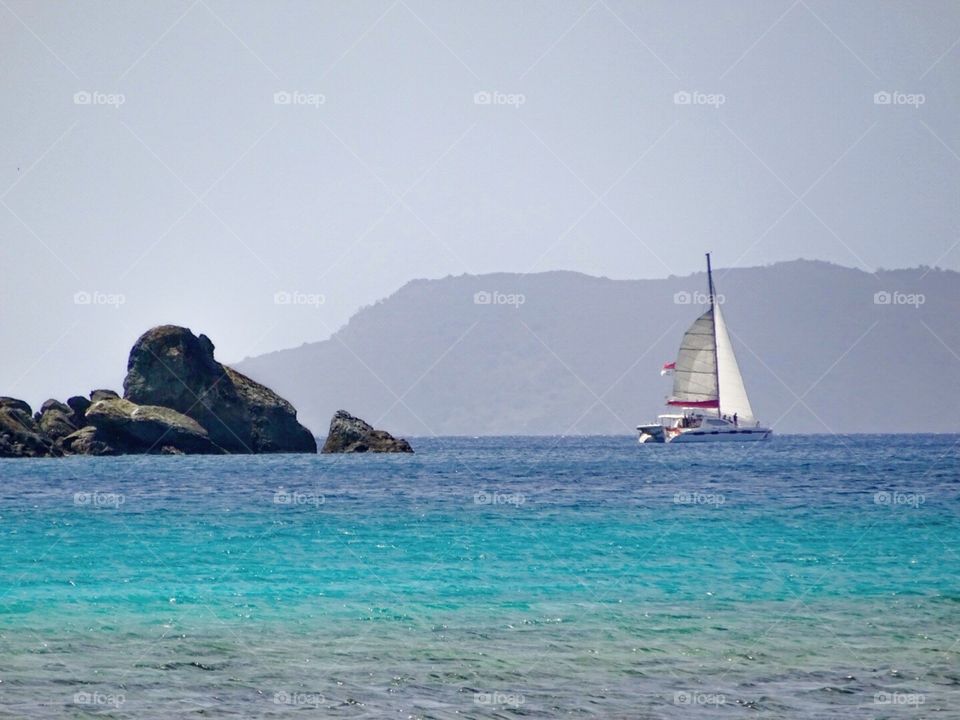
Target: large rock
column 129, row 427
column 171, row 367
column 349, row 434
column 56, row 420
column 20, row 435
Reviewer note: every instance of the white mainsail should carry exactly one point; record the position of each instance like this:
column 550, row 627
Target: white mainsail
column 733, row 395
column 695, row 377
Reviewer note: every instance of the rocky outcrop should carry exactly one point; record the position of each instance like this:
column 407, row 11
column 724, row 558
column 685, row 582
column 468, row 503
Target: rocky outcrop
column 125, row 426
column 349, row 434
column 20, row 435
column 171, row 367
column 178, row 400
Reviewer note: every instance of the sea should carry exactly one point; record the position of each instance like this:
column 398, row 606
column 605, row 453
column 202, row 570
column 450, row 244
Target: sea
column 494, row 577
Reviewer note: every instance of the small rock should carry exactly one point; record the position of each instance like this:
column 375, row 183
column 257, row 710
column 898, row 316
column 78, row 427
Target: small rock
column 79, row 405
column 56, row 420
column 96, row 395
column 349, row 434
column 88, row 441
column 52, row 404
column 15, row 404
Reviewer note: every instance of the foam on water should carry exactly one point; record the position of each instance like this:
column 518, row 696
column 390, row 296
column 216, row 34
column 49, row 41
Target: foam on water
column 498, row 577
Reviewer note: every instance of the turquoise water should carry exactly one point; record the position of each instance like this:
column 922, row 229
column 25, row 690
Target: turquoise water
column 813, row 577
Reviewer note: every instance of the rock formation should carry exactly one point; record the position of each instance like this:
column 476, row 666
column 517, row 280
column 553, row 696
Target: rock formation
column 178, row 400
column 172, row 367
column 349, row 434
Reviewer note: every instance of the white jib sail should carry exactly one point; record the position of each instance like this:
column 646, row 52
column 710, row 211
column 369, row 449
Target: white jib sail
column 733, row 396
column 695, row 374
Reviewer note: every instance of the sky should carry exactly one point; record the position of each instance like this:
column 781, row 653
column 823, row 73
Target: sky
column 259, row 171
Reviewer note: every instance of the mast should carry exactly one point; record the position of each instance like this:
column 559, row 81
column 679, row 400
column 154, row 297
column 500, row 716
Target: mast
column 710, row 282
column 716, row 362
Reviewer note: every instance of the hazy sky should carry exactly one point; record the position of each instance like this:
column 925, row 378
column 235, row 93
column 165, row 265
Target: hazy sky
column 177, row 186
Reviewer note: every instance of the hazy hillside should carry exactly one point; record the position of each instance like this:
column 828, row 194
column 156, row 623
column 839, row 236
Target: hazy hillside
column 582, row 354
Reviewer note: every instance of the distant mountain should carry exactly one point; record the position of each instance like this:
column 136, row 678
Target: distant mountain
column 822, row 348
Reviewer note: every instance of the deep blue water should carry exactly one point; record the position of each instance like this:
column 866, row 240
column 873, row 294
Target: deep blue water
column 808, row 577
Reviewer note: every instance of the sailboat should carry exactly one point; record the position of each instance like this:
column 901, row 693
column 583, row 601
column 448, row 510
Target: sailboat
column 710, row 401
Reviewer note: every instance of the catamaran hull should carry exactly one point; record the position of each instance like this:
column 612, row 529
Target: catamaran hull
column 651, row 434
column 699, row 436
